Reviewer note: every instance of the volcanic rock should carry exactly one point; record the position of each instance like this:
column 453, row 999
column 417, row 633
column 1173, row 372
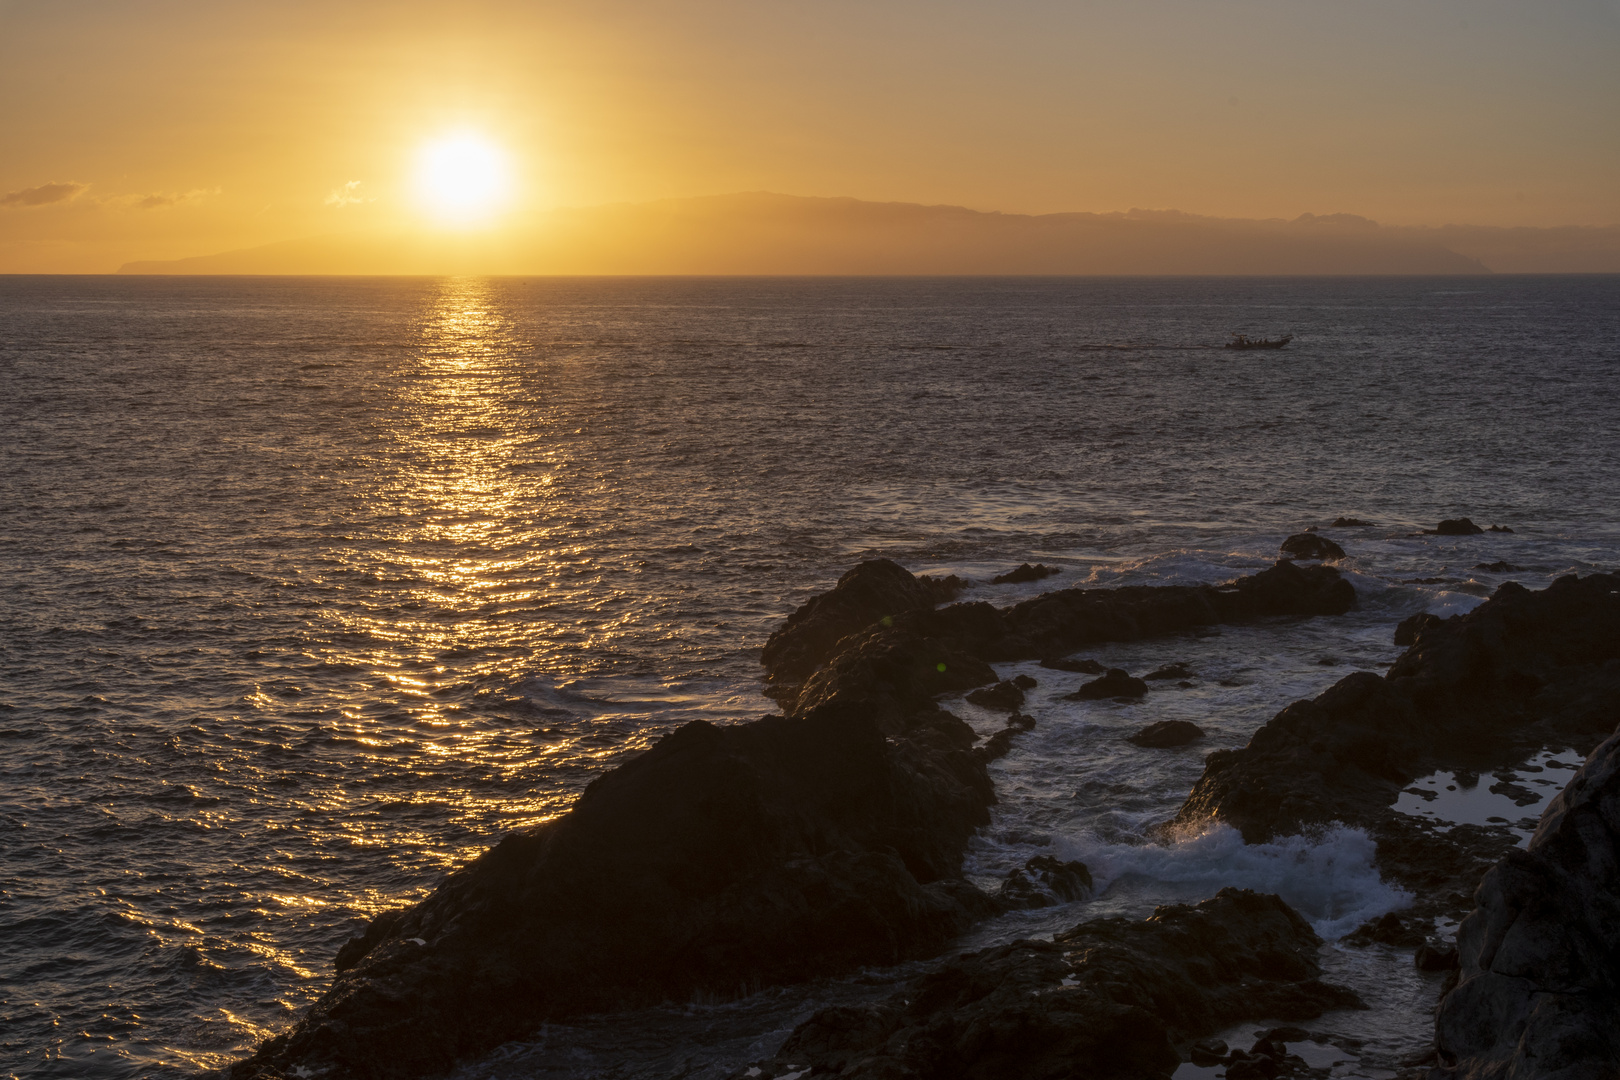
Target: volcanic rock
column 1410, row 627
column 1081, row 667
column 1044, row 881
column 720, row 858
column 1309, row 545
column 1431, row 957
column 1538, row 989
column 1117, row 683
column 1059, row 623
column 1167, row 733
column 1005, row 696
column 727, row 858
column 998, row 744
column 1455, row 527
column 1388, row 929
column 1108, row 999
column 1023, row 573
column 1522, row 671
column 873, row 590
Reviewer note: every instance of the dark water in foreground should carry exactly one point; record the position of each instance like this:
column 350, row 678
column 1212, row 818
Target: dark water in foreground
column 311, row 588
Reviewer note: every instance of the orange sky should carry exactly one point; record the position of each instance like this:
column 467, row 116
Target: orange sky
column 199, row 127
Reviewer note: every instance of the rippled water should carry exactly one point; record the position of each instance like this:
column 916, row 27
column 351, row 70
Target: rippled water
column 313, row 587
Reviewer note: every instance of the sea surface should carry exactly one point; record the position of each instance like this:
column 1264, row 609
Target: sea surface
column 312, row 588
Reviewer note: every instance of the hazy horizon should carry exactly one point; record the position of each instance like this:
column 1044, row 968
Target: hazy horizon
column 169, row 129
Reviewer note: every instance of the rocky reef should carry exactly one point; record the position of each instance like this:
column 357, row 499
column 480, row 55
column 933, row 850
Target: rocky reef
column 727, row 858
column 1475, row 692
column 1109, row 998
column 1538, row 990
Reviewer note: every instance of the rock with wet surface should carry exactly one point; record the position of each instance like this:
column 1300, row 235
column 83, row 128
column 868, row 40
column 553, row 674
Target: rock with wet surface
column 1455, row 527
column 1311, row 545
column 1079, row 667
column 1110, row 999
column 1004, row 696
column 1044, row 881
column 1116, row 683
column 1351, row 523
column 1023, row 573
column 871, row 591
column 1167, row 733
column 1523, row 670
column 721, row 858
column 1407, row 631
column 1538, row 990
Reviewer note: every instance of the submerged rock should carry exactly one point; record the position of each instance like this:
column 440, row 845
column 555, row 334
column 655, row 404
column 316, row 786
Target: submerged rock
column 1455, row 527
column 1350, row 523
column 1023, row 573
column 1170, row 671
column 1500, row 566
column 1080, row 667
column 1538, row 990
column 1389, row 929
column 1116, row 683
column 1044, row 881
column 1310, row 545
column 1167, row 733
column 1108, row 999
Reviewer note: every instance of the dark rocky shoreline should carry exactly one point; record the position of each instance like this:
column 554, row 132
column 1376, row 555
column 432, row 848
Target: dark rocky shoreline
column 724, row 859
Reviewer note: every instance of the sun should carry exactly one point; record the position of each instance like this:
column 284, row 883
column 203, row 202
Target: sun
column 463, row 178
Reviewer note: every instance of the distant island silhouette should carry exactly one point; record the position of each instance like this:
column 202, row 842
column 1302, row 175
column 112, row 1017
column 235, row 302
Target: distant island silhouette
column 765, row 233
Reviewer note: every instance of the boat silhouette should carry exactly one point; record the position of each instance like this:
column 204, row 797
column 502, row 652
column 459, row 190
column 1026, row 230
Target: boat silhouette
column 1243, row 341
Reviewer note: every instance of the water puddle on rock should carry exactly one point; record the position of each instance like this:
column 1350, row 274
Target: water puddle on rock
column 1513, row 797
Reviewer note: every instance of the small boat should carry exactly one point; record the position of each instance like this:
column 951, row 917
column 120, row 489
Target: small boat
column 1243, row 341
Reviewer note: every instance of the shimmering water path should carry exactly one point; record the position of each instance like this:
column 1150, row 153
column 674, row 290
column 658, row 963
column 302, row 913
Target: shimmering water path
column 311, row 588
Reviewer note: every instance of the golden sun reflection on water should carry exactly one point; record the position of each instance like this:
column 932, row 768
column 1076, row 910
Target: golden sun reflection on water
column 458, row 486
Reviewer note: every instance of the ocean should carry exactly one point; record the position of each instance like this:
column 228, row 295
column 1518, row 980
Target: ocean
column 312, row 588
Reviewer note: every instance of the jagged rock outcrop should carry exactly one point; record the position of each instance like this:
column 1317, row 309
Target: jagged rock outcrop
column 1538, row 991
column 1477, row 691
column 898, row 662
column 726, row 858
column 721, row 859
column 873, row 590
column 1110, row 998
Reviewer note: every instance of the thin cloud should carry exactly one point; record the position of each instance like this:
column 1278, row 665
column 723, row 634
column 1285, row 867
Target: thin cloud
column 44, row 195
column 348, row 195
column 160, row 201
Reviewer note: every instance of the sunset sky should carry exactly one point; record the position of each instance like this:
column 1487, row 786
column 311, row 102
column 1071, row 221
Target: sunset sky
column 143, row 129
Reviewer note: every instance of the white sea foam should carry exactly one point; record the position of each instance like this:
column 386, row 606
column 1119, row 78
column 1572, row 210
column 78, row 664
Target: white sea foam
column 1330, row 878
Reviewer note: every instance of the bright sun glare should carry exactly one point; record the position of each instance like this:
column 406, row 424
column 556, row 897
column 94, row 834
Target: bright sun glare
column 462, row 179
